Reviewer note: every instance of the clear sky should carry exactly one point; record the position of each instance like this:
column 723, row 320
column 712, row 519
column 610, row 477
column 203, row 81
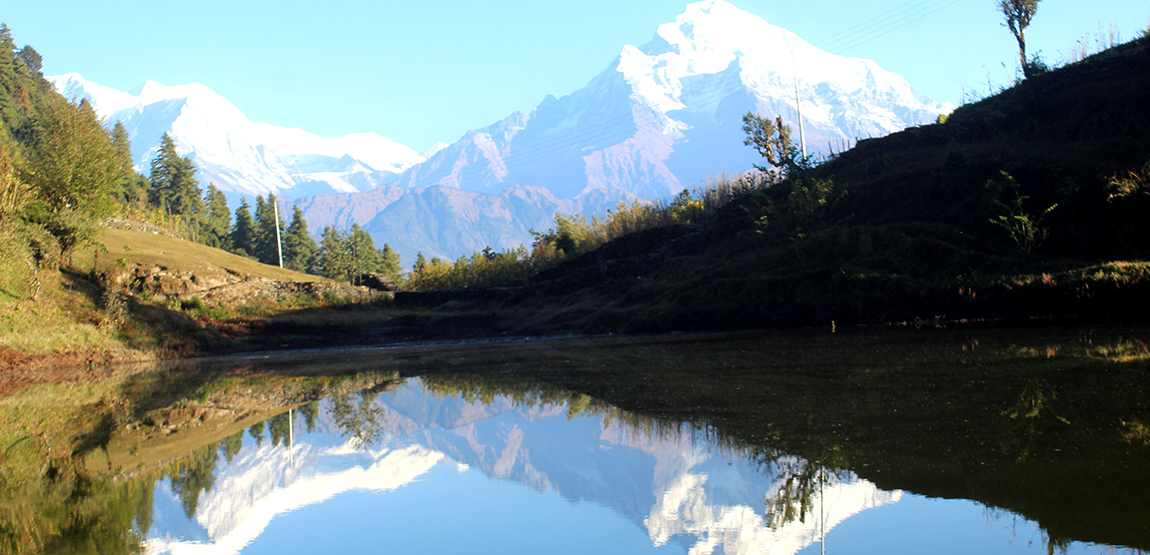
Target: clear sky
column 420, row 72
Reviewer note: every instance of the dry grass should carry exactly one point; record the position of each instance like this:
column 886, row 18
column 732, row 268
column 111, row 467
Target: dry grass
column 122, row 247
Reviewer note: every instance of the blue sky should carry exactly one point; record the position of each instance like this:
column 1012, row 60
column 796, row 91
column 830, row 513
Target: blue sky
column 420, row 72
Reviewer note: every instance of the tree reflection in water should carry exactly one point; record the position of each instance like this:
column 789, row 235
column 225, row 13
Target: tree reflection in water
column 359, row 419
column 1012, row 435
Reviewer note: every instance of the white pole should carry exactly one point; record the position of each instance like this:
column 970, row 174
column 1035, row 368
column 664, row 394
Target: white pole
column 279, row 244
column 798, row 106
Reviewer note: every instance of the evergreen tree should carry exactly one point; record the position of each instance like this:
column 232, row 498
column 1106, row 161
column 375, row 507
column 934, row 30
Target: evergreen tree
column 133, row 189
column 122, row 141
column 31, row 59
column 389, row 263
column 362, row 254
column 333, row 261
column 257, row 432
column 420, row 264
column 217, row 219
column 266, row 248
column 243, row 231
column 310, row 411
column 230, row 446
column 173, row 185
column 299, row 247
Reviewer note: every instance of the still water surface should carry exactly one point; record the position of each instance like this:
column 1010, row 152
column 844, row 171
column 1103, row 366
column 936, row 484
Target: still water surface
column 420, row 469
column 987, row 442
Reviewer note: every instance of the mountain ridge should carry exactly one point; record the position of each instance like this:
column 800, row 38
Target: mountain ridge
column 240, row 156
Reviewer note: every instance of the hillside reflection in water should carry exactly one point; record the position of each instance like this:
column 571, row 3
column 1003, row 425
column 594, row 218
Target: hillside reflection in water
column 445, row 465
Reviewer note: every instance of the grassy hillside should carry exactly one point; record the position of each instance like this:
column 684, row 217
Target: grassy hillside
column 90, row 310
column 1029, row 203
column 125, row 247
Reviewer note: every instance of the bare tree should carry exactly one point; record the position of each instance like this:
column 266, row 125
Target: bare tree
column 1018, row 14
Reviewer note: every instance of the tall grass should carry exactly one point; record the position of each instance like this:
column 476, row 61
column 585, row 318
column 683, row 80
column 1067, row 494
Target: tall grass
column 576, row 234
column 13, row 191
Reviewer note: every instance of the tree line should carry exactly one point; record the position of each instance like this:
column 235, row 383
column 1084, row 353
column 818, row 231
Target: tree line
column 62, row 173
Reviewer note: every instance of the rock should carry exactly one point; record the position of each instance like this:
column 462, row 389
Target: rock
column 378, row 281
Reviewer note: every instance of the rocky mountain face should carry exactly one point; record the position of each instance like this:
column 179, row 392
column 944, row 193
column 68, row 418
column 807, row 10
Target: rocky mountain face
column 666, row 115
column 449, row 222
column 661, row 117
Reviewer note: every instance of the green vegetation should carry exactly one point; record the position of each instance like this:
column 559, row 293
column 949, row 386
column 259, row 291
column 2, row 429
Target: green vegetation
column 348, row 256
column 941, row 222
column 576, row 235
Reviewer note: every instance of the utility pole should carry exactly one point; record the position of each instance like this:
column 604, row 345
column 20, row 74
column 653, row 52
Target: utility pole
column 798, row 105
column 279, row 244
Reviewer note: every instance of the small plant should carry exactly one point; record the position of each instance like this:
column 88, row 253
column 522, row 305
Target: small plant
column 1133, row 183
column 1024, row 228
column 1036, row 65
column 194, row 304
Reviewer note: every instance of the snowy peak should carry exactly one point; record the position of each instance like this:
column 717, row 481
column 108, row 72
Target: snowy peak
column 240, row 156
column 667, row 114
column 105, row 100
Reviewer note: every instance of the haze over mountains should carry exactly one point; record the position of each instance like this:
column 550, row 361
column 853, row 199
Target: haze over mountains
column 661, row 117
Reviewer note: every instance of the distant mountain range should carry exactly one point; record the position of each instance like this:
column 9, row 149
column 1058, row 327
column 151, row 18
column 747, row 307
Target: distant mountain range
column 240, row 156
column 661, row 117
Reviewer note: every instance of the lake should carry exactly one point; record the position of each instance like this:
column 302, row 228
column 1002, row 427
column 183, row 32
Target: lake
column 946, row 441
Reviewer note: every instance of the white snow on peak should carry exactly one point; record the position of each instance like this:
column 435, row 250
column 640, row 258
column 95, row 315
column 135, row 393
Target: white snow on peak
column 105, row 100
column 438, row 146
column 232, row 151
column 273, row 482
column 710, row 36
column 682, row 509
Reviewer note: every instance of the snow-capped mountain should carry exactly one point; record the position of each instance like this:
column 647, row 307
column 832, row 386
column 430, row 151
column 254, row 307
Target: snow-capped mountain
column 666, row 115
column 661, row 117
column 239, row 155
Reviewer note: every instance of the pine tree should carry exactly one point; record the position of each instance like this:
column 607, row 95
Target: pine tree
column 31, row 59
column 266, row 248
column 133, row 189
column 173, row 185
column 217, row 218
column 122, row 141
column 361, row 250
column 420, row 264
column 333, row 261
column 243, row 231
column 389, row 263
column 299, row 247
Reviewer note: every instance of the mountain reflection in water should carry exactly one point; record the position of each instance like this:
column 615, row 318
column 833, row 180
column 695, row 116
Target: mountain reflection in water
column 445, row 465
column 985, row 441
column 673, row 485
